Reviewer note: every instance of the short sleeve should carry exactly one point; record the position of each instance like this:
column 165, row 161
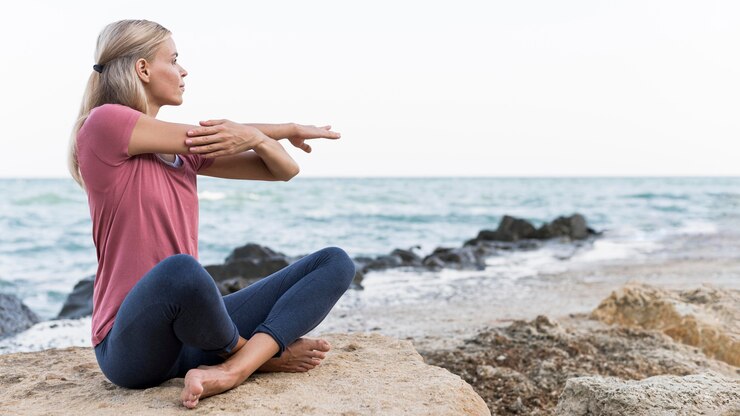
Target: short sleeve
column 199, row 162
column 107, row 131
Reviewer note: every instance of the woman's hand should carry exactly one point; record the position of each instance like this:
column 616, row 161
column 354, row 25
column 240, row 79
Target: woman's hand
column 301, row 133
column 223, row 137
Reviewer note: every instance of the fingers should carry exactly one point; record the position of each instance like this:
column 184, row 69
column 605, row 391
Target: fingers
column 212, row 122
column 205, row 131
column 204, row 140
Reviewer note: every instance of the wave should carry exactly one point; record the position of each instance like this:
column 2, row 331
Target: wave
column 652, row 195
column 46, row 200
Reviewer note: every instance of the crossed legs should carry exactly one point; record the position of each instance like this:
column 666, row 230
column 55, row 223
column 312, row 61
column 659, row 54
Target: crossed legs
column 175, row 321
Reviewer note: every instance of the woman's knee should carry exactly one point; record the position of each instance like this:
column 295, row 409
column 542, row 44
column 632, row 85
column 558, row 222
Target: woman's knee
column 345, row 267
column 184, row 272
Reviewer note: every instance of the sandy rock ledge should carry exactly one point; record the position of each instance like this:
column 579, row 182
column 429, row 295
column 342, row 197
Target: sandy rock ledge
column 698, row 394
column 364, row 374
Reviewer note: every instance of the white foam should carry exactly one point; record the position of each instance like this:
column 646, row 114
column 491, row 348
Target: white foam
column 211, row 196
column 698, row 227
column 60, row 333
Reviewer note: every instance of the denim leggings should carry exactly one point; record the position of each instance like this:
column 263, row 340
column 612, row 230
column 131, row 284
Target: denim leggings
column 175, row 319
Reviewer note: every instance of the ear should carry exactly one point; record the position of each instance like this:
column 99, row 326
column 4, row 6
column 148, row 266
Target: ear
column 142, row 70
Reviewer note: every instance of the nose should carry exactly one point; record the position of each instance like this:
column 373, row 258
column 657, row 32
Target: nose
column 183, row 72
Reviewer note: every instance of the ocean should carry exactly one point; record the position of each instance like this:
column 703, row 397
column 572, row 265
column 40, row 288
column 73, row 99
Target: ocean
column 46, row 244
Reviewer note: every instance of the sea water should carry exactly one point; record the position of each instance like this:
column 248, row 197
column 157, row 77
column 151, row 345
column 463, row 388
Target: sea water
column 46, row 244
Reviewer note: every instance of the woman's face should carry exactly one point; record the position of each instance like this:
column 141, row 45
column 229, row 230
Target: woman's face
column 166, row 84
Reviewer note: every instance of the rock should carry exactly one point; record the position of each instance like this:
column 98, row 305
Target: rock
column 383, row 262
column 456, row 258
column 699, row 394
column 249, row 261
column 246, row 268
column 512, row 229
column 79, row 303
column 525, row 365
column 408, row 257
column 251, row 251
column 509, row 229
column 573, row 227
column 15, row 316
column 707, row 318
column 364, row 374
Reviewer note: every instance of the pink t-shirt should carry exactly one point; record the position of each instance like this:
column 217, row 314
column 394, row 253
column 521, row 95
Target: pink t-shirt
column 142, row 209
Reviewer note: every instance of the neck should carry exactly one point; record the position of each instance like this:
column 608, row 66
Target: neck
column 152, row 110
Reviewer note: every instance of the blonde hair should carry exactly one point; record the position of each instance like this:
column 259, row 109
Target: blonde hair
column 119, row 46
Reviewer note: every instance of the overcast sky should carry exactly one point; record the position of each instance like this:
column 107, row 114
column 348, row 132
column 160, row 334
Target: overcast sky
column 464, row 88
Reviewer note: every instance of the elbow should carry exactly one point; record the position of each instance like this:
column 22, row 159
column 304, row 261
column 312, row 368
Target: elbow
column 291, row 173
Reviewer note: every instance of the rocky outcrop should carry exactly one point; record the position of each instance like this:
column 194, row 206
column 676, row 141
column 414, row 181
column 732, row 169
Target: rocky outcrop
column 707, row 318
column 364, row 374
column 79, row 303
column 523, row 368
column 512, row 229
column 250, row 263
column 511, row 234
column 15, row 316
column 701, row 394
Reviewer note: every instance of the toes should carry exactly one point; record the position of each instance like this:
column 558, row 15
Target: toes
column 317, row 354
column 324, row 345
column 320, row 345
column 311, row 361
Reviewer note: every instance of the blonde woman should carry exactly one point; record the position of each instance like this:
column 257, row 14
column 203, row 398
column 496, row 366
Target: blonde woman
column 157, row 313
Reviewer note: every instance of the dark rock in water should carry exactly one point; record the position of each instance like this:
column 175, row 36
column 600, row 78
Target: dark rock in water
column 79, row 303
column 15, row 316
column 251, row 251
column 408, row 257
column 397, row 258
column 248, row 269
column 512, row 229
column 573, row 227
column 509, row 229
column 384, row 262
column 456, row 258
column 250, row 261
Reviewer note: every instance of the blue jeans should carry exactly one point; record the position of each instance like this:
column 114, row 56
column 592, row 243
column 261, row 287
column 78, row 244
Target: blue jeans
column 175, row 319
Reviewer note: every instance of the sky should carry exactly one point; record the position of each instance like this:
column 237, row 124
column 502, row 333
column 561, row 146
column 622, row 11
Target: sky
column 464, row 88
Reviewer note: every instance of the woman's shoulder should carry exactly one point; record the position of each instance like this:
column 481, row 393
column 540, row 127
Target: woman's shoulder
column 109, row 116
column 111, row 109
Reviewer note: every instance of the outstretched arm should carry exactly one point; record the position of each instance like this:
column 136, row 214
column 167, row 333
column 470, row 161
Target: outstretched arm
column 297, row 134
column 241, row 152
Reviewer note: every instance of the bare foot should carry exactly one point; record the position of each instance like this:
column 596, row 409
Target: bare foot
column 205, row 381
column 300, row 356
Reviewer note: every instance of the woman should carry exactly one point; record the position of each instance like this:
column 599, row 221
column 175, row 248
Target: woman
column 157, row 313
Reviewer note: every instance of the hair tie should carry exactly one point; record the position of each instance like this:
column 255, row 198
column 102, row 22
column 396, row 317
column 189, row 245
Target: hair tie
column 98, row 68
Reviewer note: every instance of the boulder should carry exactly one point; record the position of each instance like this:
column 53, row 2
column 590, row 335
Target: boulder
column 456, row 258
column 699, row 394
column 573, row 227
column 509, row 229
column 250, row 261
column 364, row 374
column 15, row 316
column 512, row 229
column 707, row 317
column 79, row 303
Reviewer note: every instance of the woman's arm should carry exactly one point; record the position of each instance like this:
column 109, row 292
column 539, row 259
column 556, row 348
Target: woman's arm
column 275, row 131
column 229, row 143
column 155, row 136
